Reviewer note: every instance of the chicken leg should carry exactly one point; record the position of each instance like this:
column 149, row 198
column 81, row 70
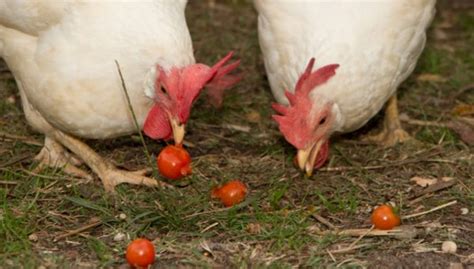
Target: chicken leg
column 55, row 155
column 107, row 172
column 392, row 132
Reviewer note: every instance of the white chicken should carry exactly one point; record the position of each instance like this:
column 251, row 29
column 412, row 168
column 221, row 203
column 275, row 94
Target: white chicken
column 374, row 45
column 62, row 55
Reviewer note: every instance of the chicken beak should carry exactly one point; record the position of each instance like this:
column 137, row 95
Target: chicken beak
column 178, row 131
column 307, row 157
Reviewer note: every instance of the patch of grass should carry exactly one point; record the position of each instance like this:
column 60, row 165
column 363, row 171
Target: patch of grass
column 432, row 61
column 435, row 135
column 105, row 256
column 339, row 202
column 275, row 226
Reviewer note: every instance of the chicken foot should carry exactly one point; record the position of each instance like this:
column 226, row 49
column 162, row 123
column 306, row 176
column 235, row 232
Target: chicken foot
column 392, row 132
column 55, row 155
column 106, row 171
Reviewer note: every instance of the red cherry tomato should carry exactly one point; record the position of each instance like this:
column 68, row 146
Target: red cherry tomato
column 383, row 218
column 174, row 162
column 140, row 253
column 231, row 193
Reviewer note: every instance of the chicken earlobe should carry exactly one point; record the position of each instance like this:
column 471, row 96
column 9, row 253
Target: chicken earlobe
column 392, row 132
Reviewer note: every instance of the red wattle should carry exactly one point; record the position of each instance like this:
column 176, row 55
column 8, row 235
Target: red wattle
column 323, row 155
column 157, row 125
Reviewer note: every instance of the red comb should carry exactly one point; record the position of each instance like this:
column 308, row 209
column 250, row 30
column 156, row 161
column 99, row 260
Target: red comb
column 292, row 118
column 177, row 88
column 309, row 81
column 222, row 80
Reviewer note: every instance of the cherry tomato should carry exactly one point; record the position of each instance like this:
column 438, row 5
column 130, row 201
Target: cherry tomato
column 174, row 162
column 384, row 218
column 140, row 253
column 231, row 193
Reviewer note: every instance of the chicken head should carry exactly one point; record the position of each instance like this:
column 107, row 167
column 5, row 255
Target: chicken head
column 306, row 123
column 175, row 91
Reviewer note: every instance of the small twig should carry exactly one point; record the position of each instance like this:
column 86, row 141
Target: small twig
column 4, row 182
column 430, row 211
column 344, row 261
column 209, row 227
column 348, row 249
column 404, row 231
column 137, row 126
column 361, row 236
column 15, row 160
column 23, row 139
column 376, row 167
column 43, row 176
column 424, row 123
column 419, row 198
column 323, row 221
column 462, row 90
column 330, row 255
column 440, row 185
column 235, row 127
column 79, row 230
column 464, row 186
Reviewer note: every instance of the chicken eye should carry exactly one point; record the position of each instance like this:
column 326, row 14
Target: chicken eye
column 322, row 121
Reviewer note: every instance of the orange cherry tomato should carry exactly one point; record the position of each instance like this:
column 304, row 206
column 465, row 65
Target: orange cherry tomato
column 140, row 253
column 383, row 218
column 231, row 193
column 174, row 162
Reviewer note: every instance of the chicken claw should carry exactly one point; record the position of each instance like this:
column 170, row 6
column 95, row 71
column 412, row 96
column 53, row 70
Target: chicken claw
column 110, row 175
column 54, row 155
column 392, row 132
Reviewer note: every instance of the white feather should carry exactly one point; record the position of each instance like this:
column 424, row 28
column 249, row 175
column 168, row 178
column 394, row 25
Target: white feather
column 376, row 43
column 66, row 64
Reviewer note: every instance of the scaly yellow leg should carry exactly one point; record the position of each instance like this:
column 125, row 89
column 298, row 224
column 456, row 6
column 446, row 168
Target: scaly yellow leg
column 392, row 132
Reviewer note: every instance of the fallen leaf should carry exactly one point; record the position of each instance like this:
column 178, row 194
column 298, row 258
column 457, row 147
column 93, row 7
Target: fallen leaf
column 423, row 181
column 33, row 237
column 431, row 77
column 446, row 179
column 463, row 110
column 464, row 127
column 254, row 228
column 253, row 116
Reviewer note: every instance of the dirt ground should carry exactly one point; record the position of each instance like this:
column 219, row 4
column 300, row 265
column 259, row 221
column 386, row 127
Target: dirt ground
column 51, row 220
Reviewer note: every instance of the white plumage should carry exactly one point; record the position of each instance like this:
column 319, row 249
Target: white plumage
column 62, row 55
column 376, row 44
